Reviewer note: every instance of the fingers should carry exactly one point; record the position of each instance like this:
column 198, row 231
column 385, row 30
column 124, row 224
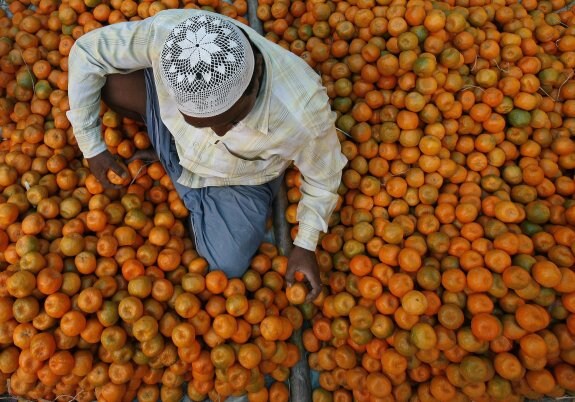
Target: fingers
column 314, row 282
column 315, row 288
column 101, row 176
column 290, row 274
column 120, row 170
column 313, row 295
column 106, row 183
column 100, row 164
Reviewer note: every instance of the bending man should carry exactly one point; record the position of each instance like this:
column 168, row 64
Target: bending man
column 227, row 111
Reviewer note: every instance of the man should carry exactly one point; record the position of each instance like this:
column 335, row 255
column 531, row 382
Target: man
column 226, row 111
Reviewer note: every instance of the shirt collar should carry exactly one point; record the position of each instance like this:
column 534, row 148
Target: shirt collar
column 258, row 119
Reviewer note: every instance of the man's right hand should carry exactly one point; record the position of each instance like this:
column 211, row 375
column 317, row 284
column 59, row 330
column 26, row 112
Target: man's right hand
column 100, row 164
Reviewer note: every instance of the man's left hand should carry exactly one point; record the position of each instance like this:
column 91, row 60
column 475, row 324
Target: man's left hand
column 305, row 262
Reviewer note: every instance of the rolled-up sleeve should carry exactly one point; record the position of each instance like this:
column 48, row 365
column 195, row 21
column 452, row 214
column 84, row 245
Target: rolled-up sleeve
column 320, row 162
column 116, row 49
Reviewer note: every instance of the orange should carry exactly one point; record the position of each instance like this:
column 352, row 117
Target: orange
column 533, row 346
column 564, row 375
column 224, row 325
column 479, row 279
column 532, row 317
column 249, row 356
column 414, row 302
column 546, row 273
column 297, row 293
column 541, row 381
column 485, row 327
column 216, row 282
column 42, row 346
column 360, row 265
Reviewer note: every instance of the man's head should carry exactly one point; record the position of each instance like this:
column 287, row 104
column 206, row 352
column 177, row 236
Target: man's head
column 208, row 64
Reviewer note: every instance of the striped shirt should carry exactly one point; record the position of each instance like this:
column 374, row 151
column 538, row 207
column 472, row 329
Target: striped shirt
column 291, row 120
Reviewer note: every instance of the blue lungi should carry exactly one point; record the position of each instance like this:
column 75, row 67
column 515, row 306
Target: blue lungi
column 228, row 222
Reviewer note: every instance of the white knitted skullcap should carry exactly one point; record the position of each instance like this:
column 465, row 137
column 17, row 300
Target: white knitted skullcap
column 207, row 63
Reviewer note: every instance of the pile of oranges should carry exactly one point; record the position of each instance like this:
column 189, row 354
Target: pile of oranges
column 102, row 295
column 449, row 263
column 448, row 266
